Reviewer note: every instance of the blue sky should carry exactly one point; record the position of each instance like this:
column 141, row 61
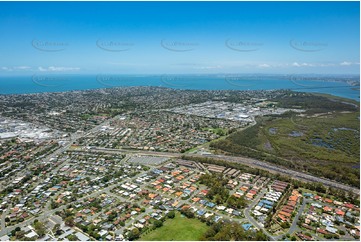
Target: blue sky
column 179, row 37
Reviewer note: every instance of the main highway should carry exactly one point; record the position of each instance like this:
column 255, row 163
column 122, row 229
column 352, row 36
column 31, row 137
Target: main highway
column 236, row 159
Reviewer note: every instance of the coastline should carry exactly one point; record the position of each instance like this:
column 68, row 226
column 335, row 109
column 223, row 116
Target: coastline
column 49, row 84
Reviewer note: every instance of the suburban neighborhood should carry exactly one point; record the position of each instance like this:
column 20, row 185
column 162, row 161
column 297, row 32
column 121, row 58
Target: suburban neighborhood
column 97, row 196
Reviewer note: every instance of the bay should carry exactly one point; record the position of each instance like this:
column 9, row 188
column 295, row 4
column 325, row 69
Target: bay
column 62, row 83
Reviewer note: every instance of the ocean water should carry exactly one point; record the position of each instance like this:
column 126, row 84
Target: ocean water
column 61, row 83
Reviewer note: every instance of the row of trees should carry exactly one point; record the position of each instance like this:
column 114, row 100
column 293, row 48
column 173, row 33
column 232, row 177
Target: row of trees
column 232, row 231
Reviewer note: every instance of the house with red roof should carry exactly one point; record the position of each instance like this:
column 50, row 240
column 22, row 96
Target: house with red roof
column 327, row 209
column 339, row 212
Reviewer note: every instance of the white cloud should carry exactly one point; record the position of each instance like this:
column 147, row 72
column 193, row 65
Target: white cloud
column 42, row 69
column 15, row 68
column 327, row 64
column 4, row 68
column 22, row 68
column 345, row 63
column 296, row 64
column 264, row 65
column 348, row 63
column 58, row 68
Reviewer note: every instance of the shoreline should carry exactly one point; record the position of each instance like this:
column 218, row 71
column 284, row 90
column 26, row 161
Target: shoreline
column 151, row 86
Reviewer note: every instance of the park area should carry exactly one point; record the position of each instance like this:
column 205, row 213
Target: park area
column 179, row 228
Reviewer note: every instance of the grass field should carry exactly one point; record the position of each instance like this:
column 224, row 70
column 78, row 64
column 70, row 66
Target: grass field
column 179, row 228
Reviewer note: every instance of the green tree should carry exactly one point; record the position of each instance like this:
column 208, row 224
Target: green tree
column 134, row 234
column 40, row 228
column 171, row 214
column 20, row 235
column 72, row 237
column 95, row 235
column 235, row 202
column 158, row 223
column 56, row 228
column 53, row 204
column 69, row 221
column 230, row 231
